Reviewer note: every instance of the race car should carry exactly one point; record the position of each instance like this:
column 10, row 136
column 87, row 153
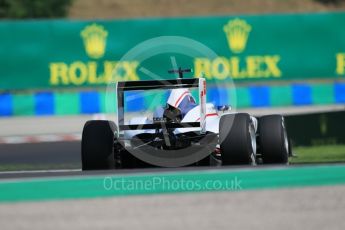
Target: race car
column 185, row 131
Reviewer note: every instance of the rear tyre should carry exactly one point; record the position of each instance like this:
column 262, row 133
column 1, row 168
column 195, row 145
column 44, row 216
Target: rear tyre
column 97, row 145
column 237, row 139
column 273, row 140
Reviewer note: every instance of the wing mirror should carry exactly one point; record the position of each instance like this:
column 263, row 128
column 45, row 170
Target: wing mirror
column 224, row 108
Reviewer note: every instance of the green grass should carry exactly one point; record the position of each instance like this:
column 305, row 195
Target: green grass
column 319, row 154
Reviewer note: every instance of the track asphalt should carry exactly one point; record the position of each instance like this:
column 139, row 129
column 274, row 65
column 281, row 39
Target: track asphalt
column 307, row 208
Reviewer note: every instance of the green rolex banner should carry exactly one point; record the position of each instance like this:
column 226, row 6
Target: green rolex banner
column 63, row 53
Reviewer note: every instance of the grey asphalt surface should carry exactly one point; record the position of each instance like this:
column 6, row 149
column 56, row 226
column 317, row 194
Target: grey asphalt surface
column 299, row 208
column 59, row 159
column 41, row 155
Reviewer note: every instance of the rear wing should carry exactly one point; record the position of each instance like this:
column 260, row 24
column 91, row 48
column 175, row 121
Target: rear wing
column 123, row 86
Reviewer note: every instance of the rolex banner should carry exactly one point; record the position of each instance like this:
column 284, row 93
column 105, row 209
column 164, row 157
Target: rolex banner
column 63, row 53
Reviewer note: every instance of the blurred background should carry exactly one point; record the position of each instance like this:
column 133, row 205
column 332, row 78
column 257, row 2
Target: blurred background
column 57, row 56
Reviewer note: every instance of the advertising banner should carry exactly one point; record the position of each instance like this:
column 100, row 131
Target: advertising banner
column 48, row 54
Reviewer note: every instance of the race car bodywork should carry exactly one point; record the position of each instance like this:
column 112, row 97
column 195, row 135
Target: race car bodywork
column 183, row 132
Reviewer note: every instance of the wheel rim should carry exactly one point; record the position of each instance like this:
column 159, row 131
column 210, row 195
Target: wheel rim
column 286, row 141
column 252, row 138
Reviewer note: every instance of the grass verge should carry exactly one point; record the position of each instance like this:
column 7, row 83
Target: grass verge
column 319, row 154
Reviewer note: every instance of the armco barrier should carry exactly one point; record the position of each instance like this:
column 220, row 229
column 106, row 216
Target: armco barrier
column 316, row 129
column 48, row 54
column 93, row 101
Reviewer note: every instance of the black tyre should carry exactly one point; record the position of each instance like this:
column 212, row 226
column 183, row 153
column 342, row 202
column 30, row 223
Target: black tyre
column 236, row 139
column 97, row 146
column 273, row 140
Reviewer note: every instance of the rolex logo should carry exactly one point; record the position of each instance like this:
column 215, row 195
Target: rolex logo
column 237, row 32
column 94, row 37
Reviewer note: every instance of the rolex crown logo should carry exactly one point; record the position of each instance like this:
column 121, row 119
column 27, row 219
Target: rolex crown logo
column 94, row 37
column 237, row 32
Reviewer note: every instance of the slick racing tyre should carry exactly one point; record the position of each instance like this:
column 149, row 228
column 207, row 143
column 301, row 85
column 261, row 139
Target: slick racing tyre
column 97, row 145
column 273, row 140
column 237, row 139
